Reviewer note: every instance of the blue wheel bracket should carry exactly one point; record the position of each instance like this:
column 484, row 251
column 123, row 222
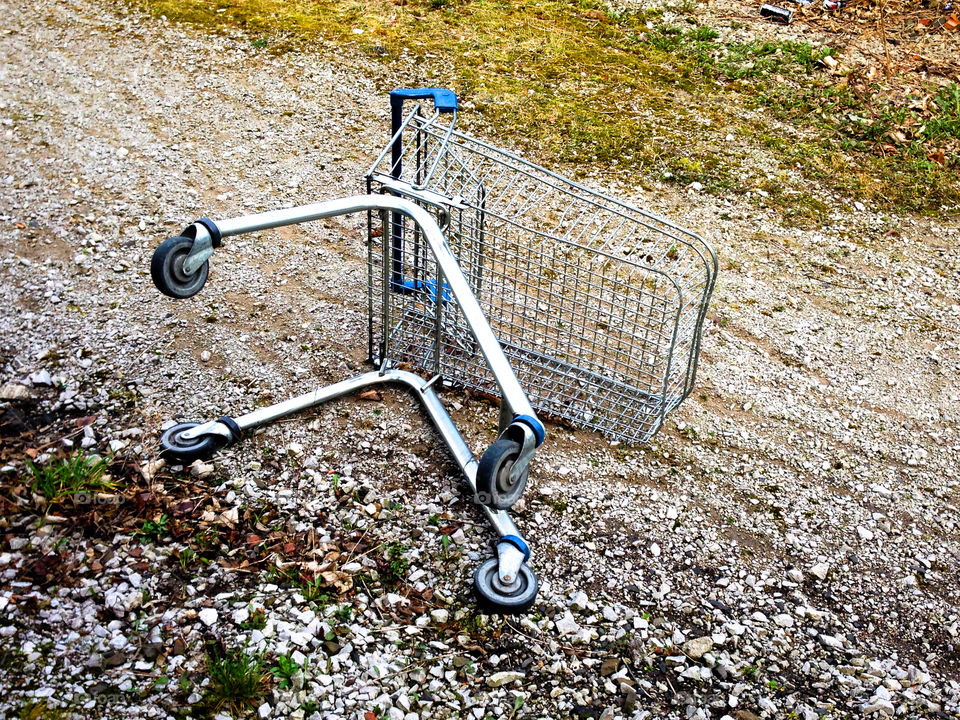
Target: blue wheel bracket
column 519, row 543
column 535, row 425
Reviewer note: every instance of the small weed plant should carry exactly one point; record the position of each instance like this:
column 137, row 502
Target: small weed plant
column 75, row 478
column 285, row 669
column 238, row 681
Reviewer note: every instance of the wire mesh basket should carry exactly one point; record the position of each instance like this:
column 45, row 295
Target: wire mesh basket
column 598, row 305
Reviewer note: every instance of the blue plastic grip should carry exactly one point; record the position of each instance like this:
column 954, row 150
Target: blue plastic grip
column 518, row 543
column 535, row 425
column 444, row 100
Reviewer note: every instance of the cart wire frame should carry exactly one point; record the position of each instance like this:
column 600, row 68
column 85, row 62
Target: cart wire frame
column 598, row 305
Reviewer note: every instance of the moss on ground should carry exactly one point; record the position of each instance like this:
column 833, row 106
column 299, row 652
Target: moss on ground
column 582, row 84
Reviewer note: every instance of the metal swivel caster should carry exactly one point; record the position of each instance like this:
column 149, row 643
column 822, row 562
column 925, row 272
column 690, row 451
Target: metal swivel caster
column 178, row 445
column 497, row 484
column 171, row 274
column 505, row 585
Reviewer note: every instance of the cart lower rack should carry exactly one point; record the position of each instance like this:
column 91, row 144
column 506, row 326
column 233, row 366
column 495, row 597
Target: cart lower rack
column 501, row 277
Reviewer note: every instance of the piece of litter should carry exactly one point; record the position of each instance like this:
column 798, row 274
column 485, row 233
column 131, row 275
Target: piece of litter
column 776, row 13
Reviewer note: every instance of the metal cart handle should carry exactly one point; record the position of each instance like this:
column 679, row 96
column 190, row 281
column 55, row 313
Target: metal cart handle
column 444, row 101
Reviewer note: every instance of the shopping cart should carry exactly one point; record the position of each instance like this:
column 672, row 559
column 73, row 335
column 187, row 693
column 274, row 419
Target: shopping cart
column 491, row 274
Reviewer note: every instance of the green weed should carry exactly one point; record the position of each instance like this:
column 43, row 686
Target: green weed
column 284, row 669
column 238, row 681
column 396, row 567
column 70, row 478
column 153, row 530
column 257, row 620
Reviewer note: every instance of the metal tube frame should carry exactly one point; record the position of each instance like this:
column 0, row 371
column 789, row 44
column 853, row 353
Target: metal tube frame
column 510, row 389
column 516, row 412
column 423, row 389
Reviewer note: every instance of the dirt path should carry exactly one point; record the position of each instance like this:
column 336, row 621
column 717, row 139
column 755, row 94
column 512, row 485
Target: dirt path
column 800, row 510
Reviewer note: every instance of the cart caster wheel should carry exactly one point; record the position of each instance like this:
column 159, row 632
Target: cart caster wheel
column 166, row 269
column 176, row 448
column 496, row 598
column 493, row 475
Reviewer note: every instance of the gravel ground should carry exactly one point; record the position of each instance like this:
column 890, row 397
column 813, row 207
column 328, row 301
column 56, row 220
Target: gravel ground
column 787, row 547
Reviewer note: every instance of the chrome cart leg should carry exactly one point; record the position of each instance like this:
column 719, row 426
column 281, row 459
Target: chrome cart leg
column 179, row 269
column 504, row 584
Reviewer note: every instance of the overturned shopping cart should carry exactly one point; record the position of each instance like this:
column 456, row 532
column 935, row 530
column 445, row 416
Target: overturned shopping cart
column 503, row 278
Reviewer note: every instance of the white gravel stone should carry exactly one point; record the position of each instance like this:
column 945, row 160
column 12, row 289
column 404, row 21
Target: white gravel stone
column 566, row 625
column 697, row 647
column 820, row 570
column 879, row 707
column 498, row 679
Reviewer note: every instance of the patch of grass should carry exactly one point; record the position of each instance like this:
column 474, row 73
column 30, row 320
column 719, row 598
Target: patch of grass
column 582, row 83
column 187, row 559
column 869, row 146
column 946, row 124
column 396, row 567
column 153, row 530
column 558, row 504
column 238, row 681
column 257, row 620
column 41, row 710
column 284, row 669
column 759, row 59
column 75, row 477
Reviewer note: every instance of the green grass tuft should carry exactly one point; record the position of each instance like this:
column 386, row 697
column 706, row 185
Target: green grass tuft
column 238, row 681
column 71, row 478
column 285, row 669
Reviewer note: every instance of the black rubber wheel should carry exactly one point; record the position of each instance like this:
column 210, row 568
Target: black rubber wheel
column 493, row 475
column 493, row 598
column 166, row 269
column 176, row 448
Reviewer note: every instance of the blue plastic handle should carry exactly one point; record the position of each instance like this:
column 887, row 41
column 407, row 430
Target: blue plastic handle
column 443, row 100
